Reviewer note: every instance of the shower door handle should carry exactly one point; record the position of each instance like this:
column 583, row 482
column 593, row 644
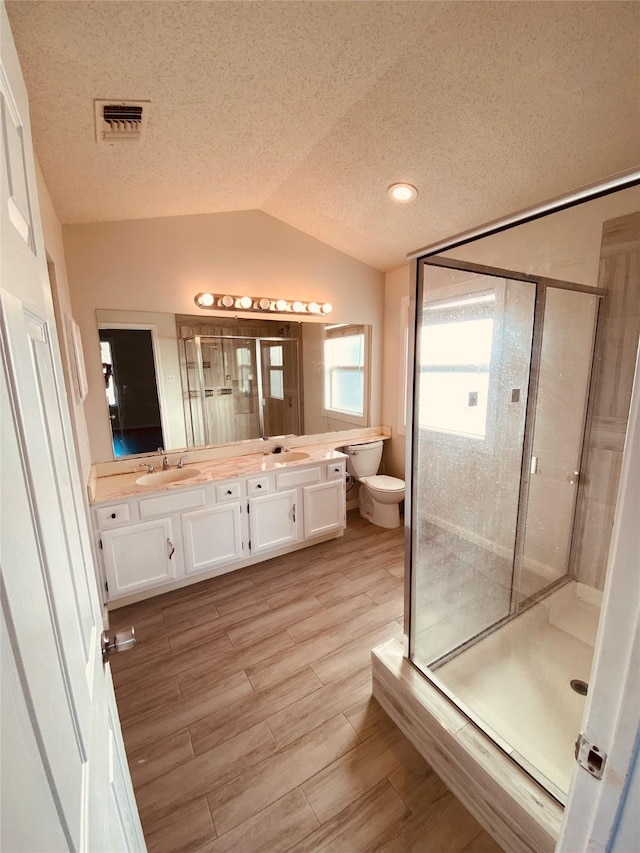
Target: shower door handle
column 573, row 477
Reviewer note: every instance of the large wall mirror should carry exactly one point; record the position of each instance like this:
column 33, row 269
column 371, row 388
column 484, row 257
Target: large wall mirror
column 178, row 381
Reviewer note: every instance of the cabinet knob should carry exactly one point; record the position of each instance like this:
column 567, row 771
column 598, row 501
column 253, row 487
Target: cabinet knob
column 229, row 491
column 113, row 515
column 259, row 486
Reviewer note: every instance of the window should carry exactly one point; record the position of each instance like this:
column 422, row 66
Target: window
column 455, row 361
column 345, row 367
column 274, row 371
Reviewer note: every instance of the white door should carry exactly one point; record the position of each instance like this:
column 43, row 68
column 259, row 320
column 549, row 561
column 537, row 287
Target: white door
column 324, row 508
column 273, row 521
column 212, row 537
column 65, row 781
column 602, row 814
column 139, row 556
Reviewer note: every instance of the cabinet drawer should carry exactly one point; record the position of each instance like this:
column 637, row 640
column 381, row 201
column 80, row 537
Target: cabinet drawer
column 336, row 470
column 299, row 477
column 175, row 502
column 258, row 485
column 227, row 491
column 112, row 516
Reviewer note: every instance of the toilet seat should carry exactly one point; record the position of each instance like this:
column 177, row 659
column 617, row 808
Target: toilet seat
column 384, row 483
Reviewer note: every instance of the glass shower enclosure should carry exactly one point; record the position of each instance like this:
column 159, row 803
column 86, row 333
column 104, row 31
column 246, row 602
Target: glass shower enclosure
column 239, row 388
column 501, row 396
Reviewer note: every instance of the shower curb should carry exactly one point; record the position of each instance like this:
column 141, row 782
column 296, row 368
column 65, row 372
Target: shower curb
column 520, row 815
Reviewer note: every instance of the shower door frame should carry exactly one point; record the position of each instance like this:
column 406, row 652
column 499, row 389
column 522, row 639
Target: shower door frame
column 597, row 710
column 593, row 809
column 542, row 284
column 197, row 339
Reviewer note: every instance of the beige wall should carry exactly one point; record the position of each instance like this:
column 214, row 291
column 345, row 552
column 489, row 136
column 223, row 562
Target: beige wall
column 397, row 286
column 160, row 264
column 52, row 233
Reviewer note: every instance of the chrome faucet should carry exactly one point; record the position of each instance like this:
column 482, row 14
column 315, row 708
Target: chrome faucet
column 165, row 464
column 150, row 468
column 181, row 462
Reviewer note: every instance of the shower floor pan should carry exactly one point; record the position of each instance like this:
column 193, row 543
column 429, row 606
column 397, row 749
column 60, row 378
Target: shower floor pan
column 517, row 681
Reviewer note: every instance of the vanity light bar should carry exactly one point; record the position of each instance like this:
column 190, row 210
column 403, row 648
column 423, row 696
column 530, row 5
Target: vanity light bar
column 261, row 304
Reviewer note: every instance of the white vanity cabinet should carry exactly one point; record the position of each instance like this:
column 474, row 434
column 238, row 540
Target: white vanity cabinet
column 274, row 520
column 160, row 540
column 212, row 537
column 323, row 508
column 140, row 556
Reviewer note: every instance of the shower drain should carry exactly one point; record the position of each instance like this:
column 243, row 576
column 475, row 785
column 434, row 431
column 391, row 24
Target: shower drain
column 580, row 687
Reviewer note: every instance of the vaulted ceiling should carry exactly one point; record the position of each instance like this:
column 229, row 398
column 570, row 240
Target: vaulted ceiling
column 309, row 110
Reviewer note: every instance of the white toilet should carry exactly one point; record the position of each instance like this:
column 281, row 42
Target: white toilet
column 380, row 496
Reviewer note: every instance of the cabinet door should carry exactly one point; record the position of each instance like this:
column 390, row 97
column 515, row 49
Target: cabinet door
column 212, row 537
column 324, row 508
column 274, row 520
column 139, row 556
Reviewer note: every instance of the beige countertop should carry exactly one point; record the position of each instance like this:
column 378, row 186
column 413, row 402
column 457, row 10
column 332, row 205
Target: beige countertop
column 125, row 485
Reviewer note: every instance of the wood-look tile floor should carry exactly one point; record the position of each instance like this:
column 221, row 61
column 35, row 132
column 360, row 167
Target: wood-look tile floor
column 248, row 719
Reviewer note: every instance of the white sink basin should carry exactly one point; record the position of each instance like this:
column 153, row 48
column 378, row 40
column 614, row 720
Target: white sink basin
column 284, row 457
column 159, row 478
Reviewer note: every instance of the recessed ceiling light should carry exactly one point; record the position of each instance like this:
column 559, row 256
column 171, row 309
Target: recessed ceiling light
column 402, row 192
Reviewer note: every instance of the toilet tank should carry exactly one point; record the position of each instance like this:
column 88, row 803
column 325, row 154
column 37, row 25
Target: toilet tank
column 363, row 460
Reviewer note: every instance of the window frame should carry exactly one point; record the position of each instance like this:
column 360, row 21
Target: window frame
column 496, row 312
column 347, row 330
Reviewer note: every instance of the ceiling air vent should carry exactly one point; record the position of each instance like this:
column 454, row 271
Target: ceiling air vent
column 121, row 121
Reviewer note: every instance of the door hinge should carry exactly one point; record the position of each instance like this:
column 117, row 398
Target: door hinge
column 590, row 757
column 247, row 507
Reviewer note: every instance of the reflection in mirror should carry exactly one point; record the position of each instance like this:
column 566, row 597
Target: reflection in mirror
column 130, row 378
column 190, row 381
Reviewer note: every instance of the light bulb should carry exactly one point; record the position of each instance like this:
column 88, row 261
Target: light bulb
column 314, row 308
column 205, row 300
column 265, row 304
column 281, row 305
column 327, row 308
column 402, row 192
column 298, row 307
column 246, row 302
column 227, row 301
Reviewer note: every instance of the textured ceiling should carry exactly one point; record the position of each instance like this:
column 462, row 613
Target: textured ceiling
column 309, row 110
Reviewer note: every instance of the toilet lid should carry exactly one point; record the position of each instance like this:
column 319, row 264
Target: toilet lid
column 384, row 483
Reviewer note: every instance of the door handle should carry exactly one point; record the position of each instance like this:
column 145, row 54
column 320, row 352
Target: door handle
column 172, row 548
column 293, row 512
column 121, row 641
